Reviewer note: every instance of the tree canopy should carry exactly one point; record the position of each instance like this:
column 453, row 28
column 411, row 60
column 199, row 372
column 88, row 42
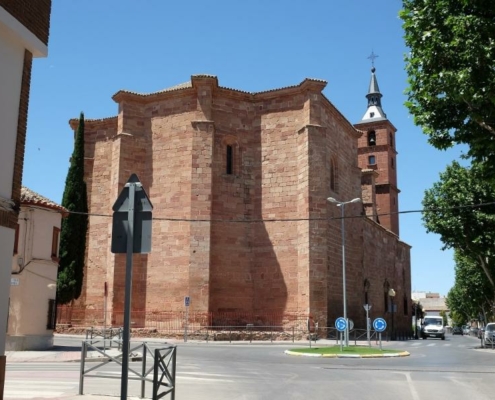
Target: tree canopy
column 451, row 72
column 74, row 226
column 472, row 293
column 460, row 209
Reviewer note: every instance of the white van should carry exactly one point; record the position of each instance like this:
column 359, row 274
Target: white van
column 433, row 327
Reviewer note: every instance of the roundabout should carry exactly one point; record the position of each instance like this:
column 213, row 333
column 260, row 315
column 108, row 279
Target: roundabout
column 346, row 352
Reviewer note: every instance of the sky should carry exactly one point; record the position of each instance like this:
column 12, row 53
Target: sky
column 99, row 47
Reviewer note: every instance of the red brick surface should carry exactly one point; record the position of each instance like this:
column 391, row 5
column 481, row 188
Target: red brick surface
column 263, row 239
column 33, row 14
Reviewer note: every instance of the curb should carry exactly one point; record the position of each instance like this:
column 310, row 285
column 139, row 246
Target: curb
column 377, row 355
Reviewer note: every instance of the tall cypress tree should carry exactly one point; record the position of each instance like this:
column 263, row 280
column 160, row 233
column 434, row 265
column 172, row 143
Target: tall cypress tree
column 74, row 227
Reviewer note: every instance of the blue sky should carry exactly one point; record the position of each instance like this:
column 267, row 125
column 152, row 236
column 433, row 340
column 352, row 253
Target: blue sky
column 99, row 47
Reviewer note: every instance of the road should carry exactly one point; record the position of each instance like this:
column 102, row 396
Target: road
column 453, row 369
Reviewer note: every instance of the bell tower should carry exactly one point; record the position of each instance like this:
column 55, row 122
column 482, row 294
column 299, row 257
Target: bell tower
column 376, row 152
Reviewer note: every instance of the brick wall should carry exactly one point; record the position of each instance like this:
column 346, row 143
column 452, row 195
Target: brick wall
column 282, row 146
column 9, row 219
column 33, row 14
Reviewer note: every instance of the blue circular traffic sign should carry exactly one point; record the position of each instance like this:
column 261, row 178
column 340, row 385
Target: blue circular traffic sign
column 341, row 324
column 379, row 324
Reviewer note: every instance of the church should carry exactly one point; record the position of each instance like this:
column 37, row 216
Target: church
column 242, row 222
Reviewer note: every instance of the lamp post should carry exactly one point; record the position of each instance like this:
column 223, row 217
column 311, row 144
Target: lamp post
column 391, row 294
column 342, row 204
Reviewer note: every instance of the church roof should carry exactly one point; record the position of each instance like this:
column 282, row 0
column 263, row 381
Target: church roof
column 30, row 197
column 190, row 84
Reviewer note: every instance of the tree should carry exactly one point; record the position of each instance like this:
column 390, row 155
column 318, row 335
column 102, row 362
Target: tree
column 451, row 210
column 472, row 294
column 451, row 91
column 74, row 226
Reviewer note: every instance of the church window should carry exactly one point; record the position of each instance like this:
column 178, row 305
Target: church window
column 386, row 297
column 371, row 160
column 391, row 139
column 372, row 114
column 371, row 138
column 392, row 162
column 333, row 175
column 366, row 290
column 230, row 160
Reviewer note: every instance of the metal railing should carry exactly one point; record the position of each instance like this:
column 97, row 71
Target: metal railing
column 160, row 362
column 164, row 372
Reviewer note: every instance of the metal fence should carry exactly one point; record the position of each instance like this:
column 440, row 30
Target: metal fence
column 226, row 326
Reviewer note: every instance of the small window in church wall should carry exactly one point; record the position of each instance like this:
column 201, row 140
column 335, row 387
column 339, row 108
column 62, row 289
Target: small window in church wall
column 371, row 138
column 229, row 170
column 392, row 162
column 391, row 139
column 371, row 160
column 333, row 176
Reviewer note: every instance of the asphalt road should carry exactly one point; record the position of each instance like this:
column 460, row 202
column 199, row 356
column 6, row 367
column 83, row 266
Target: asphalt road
column 455, row 369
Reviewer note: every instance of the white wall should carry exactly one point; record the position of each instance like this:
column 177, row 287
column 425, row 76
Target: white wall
column 11, row 65
column 6, row 245
column 28, row 309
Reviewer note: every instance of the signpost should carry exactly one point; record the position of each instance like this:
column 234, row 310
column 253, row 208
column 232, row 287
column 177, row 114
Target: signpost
column 367, row 308
column 131, row 233
column 380, row 325
column 341, row 325
column 187, row 302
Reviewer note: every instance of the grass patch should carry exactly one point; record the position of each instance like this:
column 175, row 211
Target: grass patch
column 361, row 350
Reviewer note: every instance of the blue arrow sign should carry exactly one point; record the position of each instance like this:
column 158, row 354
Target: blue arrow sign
column 341, row 324
column 379, row 324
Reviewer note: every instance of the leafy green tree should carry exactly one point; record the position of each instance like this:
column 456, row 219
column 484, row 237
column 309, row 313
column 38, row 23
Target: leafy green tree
column 451, row 91
column 451, row 211
column 74, row 226
column 472, row 293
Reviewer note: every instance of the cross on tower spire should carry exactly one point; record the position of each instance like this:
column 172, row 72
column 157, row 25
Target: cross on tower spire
column 372, row 57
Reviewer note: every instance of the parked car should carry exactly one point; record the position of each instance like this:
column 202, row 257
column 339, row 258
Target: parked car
column 489, row 334
column 473, row 331
column 465, row 330
column 457, row 330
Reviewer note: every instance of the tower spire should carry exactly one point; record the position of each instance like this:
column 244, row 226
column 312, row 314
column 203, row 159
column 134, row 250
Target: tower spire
column 374, row 111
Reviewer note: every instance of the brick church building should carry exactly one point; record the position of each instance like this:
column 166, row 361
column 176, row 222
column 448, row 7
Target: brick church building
column 239, row 182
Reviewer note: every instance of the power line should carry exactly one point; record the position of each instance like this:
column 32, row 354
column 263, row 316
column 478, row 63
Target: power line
column 260, row 220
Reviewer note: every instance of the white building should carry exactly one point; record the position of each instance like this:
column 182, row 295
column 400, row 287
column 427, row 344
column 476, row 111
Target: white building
column 34, row 273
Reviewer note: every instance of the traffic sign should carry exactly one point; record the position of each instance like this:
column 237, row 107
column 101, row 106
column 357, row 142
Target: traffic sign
column 187, row 301
column 341, row 324
column 351, row 324
column 379, row 324
column 141, row 219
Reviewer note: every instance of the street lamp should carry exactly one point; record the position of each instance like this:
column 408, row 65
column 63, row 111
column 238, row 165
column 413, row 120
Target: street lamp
column 342, row 204
column 391, row 294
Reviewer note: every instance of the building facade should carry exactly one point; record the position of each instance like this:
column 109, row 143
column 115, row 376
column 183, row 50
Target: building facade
column 24, row 28
column 239, row 182
column 32, row 307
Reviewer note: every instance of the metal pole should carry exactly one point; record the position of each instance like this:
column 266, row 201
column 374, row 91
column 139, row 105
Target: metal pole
column 105, row 318
column 343, row 277
column 83, row 360
column 143, row 370
column 128, row 288
column 185, row 325
column 392, row 335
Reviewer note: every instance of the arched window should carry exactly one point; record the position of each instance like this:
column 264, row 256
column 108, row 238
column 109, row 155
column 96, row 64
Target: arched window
column 386, row 288
column 366, row 289
column 371, row 138
column 229, row 170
